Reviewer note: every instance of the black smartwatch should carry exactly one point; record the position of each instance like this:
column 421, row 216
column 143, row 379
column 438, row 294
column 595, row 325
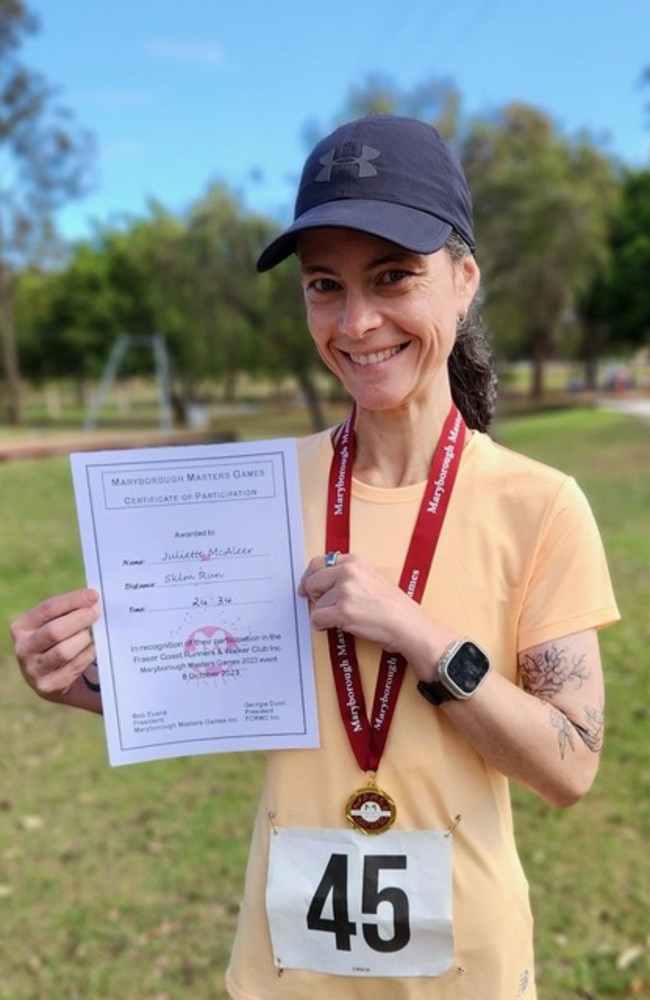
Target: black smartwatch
column 459, row 674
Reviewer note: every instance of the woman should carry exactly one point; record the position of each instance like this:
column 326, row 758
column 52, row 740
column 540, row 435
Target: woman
column 455, row 592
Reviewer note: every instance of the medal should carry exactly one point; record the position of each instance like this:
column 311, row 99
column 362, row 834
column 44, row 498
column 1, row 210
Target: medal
column 371, row 810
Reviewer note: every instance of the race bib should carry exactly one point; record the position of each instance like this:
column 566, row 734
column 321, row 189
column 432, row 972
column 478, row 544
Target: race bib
column 342, row 903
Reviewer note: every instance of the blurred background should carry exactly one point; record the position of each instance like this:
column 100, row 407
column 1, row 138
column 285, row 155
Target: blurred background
column 148, row 150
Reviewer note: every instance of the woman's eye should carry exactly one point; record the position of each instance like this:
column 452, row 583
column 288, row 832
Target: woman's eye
column 393, row 276
column 322, row 285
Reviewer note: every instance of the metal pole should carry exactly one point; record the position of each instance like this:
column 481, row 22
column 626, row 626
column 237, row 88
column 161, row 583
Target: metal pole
column 117, row 353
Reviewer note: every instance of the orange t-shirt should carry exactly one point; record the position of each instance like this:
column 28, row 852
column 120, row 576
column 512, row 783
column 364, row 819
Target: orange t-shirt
column 519, row 562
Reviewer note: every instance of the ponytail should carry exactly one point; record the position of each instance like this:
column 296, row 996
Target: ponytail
column 471, row 367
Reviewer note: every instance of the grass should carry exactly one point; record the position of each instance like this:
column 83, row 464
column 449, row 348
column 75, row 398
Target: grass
column 588, row 866
column 124, row 884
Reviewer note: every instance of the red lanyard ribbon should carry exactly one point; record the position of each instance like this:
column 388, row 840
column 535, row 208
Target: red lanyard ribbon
column 368, row 736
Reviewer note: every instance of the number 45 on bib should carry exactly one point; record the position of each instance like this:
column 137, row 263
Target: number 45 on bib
column 342, row 904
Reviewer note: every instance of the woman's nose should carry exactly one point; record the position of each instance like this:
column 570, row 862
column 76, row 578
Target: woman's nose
column 358, row 316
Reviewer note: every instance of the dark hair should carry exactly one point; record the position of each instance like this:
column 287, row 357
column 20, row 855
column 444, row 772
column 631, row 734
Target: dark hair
column 471, row 368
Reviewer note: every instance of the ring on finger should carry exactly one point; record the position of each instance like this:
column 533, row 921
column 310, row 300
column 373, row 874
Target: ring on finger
column 331, row 557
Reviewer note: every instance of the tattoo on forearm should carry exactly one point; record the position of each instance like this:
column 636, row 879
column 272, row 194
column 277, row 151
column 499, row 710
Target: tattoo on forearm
column 547, row 673
column 591, row 733
column 566, row 731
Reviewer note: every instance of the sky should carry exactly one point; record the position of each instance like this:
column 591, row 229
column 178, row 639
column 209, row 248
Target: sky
column 179, row 95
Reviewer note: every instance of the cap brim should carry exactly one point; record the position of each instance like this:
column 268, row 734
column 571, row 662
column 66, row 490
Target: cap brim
column 419, row 232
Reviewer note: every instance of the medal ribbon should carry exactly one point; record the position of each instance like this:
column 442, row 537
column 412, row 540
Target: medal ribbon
column 368, row 736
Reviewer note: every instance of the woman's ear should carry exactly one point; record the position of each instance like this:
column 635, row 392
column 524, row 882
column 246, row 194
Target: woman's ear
column 468, row 278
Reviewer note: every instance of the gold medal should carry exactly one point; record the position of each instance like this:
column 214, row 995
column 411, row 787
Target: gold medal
column 370, row 810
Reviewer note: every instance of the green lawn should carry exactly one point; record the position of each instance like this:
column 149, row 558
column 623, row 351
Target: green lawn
column 588, row 866
column 124, row 884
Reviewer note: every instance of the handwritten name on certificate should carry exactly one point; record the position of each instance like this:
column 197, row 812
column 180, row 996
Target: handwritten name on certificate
column 203, row 644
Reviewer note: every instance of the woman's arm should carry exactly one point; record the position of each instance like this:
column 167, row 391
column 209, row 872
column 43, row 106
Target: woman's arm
column 546, row 734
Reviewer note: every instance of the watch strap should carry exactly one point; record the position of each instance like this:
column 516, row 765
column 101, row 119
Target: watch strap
column 434, row 692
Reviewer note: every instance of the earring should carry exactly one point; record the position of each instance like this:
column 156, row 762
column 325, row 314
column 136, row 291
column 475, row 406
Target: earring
column 461, row 319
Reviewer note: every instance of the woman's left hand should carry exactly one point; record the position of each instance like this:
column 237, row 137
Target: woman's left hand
column 354, row 596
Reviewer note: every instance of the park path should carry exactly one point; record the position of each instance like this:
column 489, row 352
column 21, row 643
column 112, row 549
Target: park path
column 638, row 406
column 49, row 445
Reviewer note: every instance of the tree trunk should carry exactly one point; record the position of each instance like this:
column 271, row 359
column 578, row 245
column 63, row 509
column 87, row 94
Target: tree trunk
column 312, row 399
column 9, row 349
column 539, row 351
column 231, row 378
column 594, row 340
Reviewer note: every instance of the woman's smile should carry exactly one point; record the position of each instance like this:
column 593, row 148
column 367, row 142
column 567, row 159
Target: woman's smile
column 375, row 357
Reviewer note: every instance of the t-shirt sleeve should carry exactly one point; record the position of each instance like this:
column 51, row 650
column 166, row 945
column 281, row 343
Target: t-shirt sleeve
column 569, row 587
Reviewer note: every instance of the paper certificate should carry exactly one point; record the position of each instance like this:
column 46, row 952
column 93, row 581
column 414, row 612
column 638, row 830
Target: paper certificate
column 204, row 644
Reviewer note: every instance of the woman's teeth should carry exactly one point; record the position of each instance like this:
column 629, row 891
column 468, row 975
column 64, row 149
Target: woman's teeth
column 372, row 359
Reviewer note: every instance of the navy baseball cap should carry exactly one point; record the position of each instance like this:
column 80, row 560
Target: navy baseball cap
column 386, row 175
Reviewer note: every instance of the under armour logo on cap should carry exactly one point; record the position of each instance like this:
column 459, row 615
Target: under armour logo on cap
column 339, row 157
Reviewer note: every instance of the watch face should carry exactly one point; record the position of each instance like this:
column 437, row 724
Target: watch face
column 467, row 667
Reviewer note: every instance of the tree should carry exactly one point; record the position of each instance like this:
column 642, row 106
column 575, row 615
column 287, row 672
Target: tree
column 542, row 204
column 44, row 161
column 226, row 241
column 190, row 279
column 435, row 100
column 129, row 278
column 112, row 283
column 69, row 316
column 618, row 301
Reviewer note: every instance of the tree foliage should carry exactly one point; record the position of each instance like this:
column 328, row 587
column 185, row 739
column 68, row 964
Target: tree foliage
column 542, row 206
column 270, row 304
column 619, row 298
column 43, row 162
column 191, row 279
column 435, row 100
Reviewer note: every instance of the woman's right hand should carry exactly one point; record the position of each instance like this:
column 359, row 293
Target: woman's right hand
column 53, row 644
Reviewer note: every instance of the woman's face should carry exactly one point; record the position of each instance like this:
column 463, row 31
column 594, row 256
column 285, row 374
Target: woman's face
column 383, row 319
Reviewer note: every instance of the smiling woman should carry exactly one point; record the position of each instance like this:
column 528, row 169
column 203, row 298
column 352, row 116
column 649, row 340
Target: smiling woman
column 460, row 582
column 384, row 321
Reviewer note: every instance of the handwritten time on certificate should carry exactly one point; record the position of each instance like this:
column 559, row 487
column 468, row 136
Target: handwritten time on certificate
column 203, row 644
